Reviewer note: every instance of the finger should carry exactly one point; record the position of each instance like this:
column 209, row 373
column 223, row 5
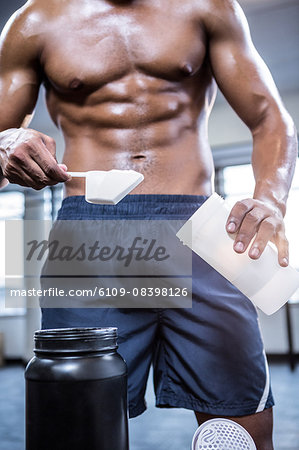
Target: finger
column 35, row 177
column 48, row 163
column 237, row 214
column 248, row 229
column 16, row 176
column 38, row 177
column 21, row 177
column 63, row 167
column 282, row 245
column 266, row 231
column 4, row 182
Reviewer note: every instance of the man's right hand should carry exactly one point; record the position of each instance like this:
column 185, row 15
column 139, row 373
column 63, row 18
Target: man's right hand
column 27, row 158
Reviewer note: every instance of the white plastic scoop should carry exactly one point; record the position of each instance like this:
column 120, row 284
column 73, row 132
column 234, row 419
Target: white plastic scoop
column 108, row 187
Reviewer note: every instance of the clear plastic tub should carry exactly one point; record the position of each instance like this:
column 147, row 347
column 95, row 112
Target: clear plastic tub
column 263, row 281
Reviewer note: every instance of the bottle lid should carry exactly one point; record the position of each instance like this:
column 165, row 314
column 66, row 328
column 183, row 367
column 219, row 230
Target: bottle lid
column 75, row 340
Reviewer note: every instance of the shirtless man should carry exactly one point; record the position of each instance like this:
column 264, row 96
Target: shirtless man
column 131, row 84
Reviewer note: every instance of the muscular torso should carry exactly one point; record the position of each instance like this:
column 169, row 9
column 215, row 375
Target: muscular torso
column 130, row 86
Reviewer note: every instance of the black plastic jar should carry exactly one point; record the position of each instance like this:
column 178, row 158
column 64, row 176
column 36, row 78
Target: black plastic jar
column 76, row 391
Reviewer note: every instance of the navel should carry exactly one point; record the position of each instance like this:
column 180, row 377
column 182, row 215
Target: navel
column 138, row 157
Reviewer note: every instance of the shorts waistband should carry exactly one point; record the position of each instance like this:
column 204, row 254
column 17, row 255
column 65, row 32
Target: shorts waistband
column 134, row 206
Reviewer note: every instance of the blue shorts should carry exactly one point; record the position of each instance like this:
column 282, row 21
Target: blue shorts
column 208, row 358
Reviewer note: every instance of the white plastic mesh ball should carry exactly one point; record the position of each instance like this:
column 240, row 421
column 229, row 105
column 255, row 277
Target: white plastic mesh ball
column 222, row 434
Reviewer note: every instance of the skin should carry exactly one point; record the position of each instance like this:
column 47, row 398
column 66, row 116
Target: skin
column 131, row 85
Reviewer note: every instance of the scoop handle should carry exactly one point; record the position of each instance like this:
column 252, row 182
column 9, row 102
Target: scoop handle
column 77, row 174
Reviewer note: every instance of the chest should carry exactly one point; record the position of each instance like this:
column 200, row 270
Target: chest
column 98, row 47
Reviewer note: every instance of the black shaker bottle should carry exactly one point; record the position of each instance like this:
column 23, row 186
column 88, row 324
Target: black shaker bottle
column 76, row 391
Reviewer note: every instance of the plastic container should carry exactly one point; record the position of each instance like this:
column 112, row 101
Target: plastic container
column 76, row 391
column 268, row 285
column 222, row 434
column 108, row 187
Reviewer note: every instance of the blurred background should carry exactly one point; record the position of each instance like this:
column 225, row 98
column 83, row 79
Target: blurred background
column 275, row 32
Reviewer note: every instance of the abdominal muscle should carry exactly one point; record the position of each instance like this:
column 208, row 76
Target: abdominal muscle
column 159, row 135
column 173, row 170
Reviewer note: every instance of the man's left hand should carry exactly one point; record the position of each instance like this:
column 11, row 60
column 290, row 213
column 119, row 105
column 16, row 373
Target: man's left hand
column 255, row 220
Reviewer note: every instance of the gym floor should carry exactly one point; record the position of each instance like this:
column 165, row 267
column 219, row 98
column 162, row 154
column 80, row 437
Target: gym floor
column 156, row 429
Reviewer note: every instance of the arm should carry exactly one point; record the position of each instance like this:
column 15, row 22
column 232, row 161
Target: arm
column 248, row 86
column 27, row 157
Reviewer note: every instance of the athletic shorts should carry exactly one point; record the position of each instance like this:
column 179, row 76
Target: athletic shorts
column 208, row 358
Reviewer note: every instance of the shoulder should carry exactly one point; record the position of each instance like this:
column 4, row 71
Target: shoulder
column 22, row 20
column 218, row 7
column 23, row 31
column 223, row 16
column 31, row 20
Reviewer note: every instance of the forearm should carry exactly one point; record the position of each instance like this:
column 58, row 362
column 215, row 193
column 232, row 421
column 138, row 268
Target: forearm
column 274, row 157
column 15, row 115
column 4, row 142
column 12, row 123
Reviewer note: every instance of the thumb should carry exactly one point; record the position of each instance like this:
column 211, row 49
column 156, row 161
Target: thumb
column 63, row 167
column 50, row 144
